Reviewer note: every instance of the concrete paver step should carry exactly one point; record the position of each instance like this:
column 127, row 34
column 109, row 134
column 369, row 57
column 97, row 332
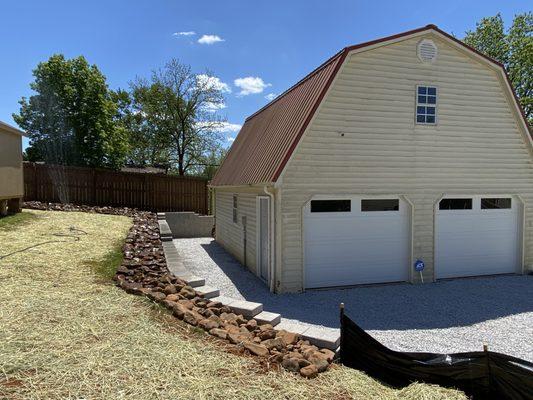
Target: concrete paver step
column 224, row 300
column 248, row 309
column 266, row 317
column 193, row 280
column 323, row 337
column 207, row 291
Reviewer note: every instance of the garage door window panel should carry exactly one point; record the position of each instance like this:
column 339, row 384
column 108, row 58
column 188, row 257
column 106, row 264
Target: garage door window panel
column 455, row 204
column 496, row 203
column 371, row 205
column 324, row 206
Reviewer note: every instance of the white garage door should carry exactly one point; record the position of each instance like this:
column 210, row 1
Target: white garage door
column 476, row 235
column 354, row 240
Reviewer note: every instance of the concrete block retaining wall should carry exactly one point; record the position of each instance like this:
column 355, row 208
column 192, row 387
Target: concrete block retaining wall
column 189, row 224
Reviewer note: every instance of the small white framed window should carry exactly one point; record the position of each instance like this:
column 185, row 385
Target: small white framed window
column 426, row 105
column 235, row 216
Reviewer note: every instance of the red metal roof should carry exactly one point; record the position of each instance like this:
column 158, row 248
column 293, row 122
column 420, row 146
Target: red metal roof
column 269, row 136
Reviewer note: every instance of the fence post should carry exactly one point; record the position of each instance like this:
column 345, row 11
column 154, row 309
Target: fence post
column 206, row 199
column 341, row 342
column 94, row 188
column 34, row 182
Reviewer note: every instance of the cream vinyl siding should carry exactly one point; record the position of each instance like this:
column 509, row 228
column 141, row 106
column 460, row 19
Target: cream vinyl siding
column 230, row 235
column 11, row 178
column 476, row 146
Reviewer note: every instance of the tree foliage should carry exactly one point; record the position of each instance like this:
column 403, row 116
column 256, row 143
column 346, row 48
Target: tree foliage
column 513, row 48
column 71, row 118
column 174, row 117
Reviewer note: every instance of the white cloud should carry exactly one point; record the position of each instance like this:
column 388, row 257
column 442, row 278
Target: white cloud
column 210, row 39
column 231, row 139
column 214, row 82
column 227, row 127
column 212, row 107
column 271, row 96
column 187, row 33
column 250, row 85
column 221, row 127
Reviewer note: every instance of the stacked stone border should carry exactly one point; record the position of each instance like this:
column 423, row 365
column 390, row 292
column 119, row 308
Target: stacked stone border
column 144, row 272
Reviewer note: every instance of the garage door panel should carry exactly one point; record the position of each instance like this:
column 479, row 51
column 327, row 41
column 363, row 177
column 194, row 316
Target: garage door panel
column 332, row 255
column 476, row 242
column 356, row 247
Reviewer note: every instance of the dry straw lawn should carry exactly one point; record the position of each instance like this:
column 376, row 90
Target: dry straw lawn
column 66, row 332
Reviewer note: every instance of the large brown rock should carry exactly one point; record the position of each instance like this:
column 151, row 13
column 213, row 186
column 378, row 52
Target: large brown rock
column 220, row 333
column 267, row 334
column 290, row 364
column 309, row 372
column 169, row 289
column 173, row 297
column 319, row 361
column 275, row 343
column 288, row 337
column 330, row 355
column 251, row 325
column 179, row 310
column 239, row 337
column 257, row 349
column 208, row 324
column 188, row 292
column 192, row 317
column 156, row 296
column 186, row 303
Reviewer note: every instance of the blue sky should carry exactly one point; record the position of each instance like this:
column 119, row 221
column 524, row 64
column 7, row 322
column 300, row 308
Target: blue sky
column 255, row 48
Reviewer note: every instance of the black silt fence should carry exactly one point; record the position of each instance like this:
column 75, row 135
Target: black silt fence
column 482, row 375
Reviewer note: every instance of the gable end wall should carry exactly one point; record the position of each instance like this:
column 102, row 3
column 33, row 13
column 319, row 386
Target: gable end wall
column 476, row 147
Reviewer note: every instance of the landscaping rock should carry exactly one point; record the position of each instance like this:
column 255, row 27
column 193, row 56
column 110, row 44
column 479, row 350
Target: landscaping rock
column 192, row 317
column 267, row 334
column 330, row 355
column 186, row 303
column 288, row 337
column 251, row 324
column 309, row 372
column 257, row 349
column 291, row 364
column 275, row 343
column 188, row 292
column 173, row 297
column 179, row 310
column 220, row 333
column 208, row 324
column 156, row 296
column 170, row 289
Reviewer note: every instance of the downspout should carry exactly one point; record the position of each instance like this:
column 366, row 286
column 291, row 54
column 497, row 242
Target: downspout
column 272, row 229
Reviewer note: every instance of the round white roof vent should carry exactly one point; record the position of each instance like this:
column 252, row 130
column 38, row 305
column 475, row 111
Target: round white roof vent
column 427, row 51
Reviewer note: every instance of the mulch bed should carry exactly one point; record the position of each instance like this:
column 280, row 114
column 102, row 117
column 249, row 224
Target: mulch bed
column 144, row 272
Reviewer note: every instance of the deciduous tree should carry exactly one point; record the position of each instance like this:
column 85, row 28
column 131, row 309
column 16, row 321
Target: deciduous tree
column 513, row 48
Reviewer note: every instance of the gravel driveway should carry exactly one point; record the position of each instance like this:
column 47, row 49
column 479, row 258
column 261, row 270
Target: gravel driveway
column 444, row 317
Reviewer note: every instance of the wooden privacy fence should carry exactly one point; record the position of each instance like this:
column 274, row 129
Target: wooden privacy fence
column 100, row 187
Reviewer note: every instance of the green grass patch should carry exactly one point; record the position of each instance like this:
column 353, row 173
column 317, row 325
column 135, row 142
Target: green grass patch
column 106, row 267
column 16, row 220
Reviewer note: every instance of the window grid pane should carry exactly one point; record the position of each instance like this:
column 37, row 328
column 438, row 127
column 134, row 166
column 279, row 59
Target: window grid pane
column 426, row 114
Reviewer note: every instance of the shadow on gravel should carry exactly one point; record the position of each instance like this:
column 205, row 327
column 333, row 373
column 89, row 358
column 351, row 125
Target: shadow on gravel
column 445, row 304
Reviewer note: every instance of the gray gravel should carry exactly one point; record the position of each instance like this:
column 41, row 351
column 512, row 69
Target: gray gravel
column 444, row 317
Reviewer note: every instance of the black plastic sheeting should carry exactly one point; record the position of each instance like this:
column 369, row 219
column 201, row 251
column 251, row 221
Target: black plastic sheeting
column 482, row 375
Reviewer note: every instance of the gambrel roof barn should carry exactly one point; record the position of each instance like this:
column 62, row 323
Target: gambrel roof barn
column 408, row 148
